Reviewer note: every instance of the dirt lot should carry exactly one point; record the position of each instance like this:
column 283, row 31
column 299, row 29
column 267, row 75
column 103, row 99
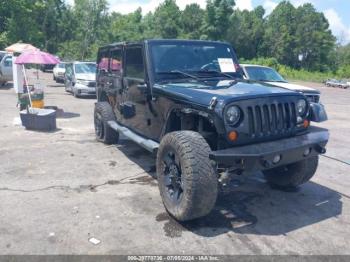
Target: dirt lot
column 59, row 189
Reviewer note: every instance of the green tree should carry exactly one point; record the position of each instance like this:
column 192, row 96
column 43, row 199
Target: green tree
column 167, row 20
column 90, row 24
column 280, row 35
column 217, row 18
column 126, row 27
column 314, row 39
column 192, row 20
column 246, row 31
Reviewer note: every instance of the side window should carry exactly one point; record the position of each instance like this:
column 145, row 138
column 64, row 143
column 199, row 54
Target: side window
column 134, row 63
column 115, row 61
column 102, row 61
column 8, row 61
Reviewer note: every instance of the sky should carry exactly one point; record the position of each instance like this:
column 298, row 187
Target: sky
column 336, row 11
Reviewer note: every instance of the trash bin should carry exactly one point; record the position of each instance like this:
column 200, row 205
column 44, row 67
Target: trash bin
column 39, row 119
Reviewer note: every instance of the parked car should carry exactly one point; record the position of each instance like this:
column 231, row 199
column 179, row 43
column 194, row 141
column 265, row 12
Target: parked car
column 185, row 101
column 271, row 76
column 80, row 78
column 58, row 72
column 343, row 84
column 331, row 82
column 6, row 74
column 337, row 83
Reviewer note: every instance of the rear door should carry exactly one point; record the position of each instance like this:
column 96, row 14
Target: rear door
column 114, row 84
column 102, row 72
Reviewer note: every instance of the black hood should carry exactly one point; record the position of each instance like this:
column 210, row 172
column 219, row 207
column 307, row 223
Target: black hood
column 201, row 93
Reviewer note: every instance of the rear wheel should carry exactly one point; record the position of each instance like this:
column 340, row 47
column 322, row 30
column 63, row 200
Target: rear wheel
column 104, row 133
column 292, row 175
column 187, row 181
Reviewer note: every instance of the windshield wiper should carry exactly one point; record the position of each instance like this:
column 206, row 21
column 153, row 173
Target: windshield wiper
column 273, row 81
column 184, row 73
column 216, row 72
column 178, row 72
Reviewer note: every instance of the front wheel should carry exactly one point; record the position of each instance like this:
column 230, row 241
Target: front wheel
column 75, row 93
column 292, row 175
column 187, row 181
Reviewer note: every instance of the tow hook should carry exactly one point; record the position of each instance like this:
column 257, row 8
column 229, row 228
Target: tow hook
column 266, row 163
column 320, row 149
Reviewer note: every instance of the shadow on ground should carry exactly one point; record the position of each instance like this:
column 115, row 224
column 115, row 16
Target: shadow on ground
column 249, row 206
column 7, row 86
column 66, row 115
column 138, row 155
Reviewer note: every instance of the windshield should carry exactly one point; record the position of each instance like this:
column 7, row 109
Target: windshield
column 61, row 66
column 193, row 60
column 87, row 68
column 265, row 74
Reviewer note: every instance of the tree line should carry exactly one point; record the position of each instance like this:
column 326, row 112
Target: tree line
column 297, row 37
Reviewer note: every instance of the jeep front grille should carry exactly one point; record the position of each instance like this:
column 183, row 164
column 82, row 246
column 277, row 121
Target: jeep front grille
column 271, row 119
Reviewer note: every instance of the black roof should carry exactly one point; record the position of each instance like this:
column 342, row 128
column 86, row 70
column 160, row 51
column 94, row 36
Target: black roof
column 161, row 41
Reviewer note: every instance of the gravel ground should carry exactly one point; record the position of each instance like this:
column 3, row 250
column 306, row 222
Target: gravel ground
column 60, row 189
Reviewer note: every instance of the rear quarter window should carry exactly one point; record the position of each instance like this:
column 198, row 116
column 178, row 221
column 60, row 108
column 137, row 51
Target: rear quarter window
column 115, row 61
column 103, row 61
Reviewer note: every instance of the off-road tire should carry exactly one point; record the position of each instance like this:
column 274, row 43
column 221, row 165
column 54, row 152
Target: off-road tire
column 199, row 179
column 104, row 133
column 293, row 175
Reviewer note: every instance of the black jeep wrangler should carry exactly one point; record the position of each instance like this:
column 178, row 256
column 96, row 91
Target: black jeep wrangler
column 186, row 102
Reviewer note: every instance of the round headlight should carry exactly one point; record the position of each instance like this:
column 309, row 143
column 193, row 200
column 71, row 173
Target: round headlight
column 301, row 107
column 233, row 115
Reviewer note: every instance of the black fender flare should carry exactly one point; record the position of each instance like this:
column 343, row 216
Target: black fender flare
column 178, row 110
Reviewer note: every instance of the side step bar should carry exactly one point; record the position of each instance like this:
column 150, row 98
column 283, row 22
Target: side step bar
column 147, row 144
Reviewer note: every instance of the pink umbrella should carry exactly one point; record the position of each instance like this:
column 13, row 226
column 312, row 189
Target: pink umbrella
column 36, row 57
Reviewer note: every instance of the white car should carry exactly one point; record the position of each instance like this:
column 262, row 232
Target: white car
column 6, row 74
column 58, row 72
column 80, row 78
column 270, row 76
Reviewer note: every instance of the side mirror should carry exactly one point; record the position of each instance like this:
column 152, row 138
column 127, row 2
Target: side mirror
column 317, row 113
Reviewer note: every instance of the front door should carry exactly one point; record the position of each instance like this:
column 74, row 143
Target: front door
column 135, row 91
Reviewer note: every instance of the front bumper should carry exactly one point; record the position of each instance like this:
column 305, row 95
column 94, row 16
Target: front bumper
column 59, row 76
column 260, row 156
column 85, row 90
